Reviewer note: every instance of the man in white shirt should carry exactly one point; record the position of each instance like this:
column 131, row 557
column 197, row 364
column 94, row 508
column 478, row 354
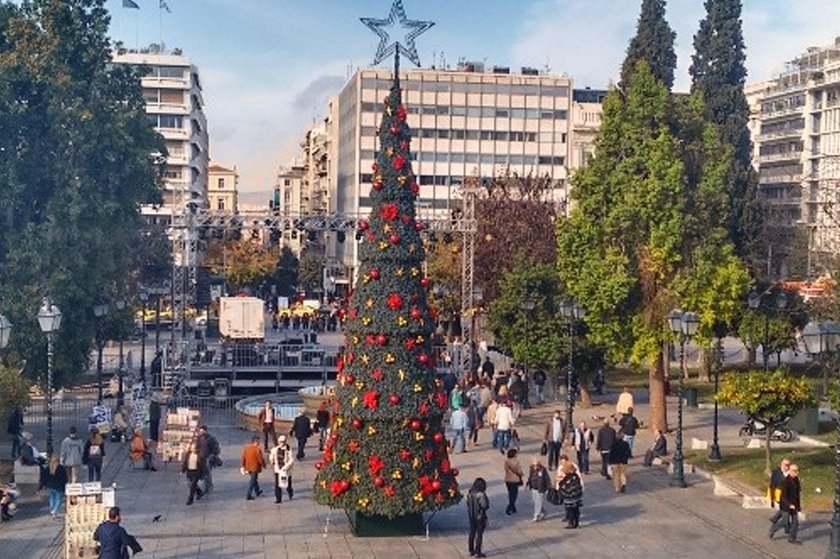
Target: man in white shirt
column 554, row 431
column 504, row 426
column 458, row 424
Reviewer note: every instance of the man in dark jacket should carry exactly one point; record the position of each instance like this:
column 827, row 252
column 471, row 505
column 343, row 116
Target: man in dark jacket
column 790, row 504
column 777, row 478
column 15, row 429
column 619, row 456
column 154, row 419
column 301, row 429
column 629, row 425
column 112, row 539
column 322, row 416
column 604, row 443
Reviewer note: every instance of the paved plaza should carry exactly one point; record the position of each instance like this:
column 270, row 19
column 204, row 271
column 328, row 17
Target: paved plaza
column 651, row 520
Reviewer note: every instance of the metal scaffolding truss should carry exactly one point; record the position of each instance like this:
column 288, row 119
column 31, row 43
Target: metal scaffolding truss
column 188, row 227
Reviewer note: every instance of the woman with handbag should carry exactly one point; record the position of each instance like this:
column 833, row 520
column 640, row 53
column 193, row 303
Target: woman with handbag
column 571, row 492
column 513, row 479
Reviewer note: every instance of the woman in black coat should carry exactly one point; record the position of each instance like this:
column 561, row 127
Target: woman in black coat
column 477, row 505
column 571, row 491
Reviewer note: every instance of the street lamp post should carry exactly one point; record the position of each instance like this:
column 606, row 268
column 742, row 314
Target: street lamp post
column 100, row 309
column 821, row 338
column 684, row 324
column 714, row 451
column 144, row 298
column 49, row 319
column 119, row 304
column 573, row 313
column 755, row 300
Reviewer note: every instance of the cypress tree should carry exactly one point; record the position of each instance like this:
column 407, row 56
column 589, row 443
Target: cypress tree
column 653, row 43
column 718, row 73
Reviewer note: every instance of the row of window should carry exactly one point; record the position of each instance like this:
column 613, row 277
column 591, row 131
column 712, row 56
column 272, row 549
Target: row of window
column 788, row 103
column 493, row 135
column 489, row 158
column 443, row 180
column 166, row 121
column 478, row 112
column 166, row 72
column 462, row 87
column 781, row 148
column 794, row 125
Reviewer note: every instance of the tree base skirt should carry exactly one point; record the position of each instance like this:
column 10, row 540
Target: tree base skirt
column 377, row 526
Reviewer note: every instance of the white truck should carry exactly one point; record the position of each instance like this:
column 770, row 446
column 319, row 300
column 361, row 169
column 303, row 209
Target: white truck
column 242, row 318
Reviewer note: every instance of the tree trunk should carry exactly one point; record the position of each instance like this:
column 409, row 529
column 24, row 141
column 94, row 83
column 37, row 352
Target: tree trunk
column 706, row 364
column 768, row 428
column 585, row 395
column 658, row 410
column 751, row 351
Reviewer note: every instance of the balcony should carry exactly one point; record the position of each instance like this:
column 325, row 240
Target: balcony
column 789, row 156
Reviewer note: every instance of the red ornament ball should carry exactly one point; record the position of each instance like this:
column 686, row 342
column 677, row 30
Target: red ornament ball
column 356, row 423
column 426, row 283
column 394, row 130
column 455, row 472
column 394, row 399
column 374, row 273
column 345, row 485
column 436, row 485
column 349, row 379
column 423, row 358
column 419, row 225
column 395, row 301
column 415, row 425
column 378, row 481
column 382, row 339
column 416, row 313
column 319, row 465
column 363, row 225
column 415, row 188
column 394, row 238
column 438, row 437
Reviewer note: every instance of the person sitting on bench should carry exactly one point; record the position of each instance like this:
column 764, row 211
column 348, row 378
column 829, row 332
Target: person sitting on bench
column 657, row 449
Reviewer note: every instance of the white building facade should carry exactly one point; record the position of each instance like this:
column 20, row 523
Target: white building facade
column 175, row 106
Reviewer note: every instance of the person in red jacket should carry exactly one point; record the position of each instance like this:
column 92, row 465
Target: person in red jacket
column 253, row 462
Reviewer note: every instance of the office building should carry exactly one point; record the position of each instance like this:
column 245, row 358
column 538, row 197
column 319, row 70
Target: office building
column 175, row 106
column 223, row 187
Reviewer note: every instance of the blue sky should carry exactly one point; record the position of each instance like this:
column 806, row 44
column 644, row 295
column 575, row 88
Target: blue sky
column 268, row 66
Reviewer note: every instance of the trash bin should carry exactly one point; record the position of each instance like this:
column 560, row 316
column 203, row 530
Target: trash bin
column 691, row 397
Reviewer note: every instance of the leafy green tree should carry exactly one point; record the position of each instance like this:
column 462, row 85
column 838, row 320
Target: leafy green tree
column 311, row 272
column 653, row 43
column 539, row 338
column 771, row 398
column 286, row 274
column 245, row 264
column 718, row 73
column 387, row 453
column 14, row 390
column 75, row 166
column 443, row 267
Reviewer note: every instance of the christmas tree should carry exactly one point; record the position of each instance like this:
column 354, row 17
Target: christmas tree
column 387, row 454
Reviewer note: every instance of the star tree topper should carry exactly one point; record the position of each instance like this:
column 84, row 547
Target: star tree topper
column 397, row 21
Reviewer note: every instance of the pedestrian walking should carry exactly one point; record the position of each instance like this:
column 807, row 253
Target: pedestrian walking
column 624, row 403
column 266, row 422
column 281, row 460
column 210, row 451
column 659, row 447
column 72, row 450
column 619, row 456
column 154, row 418
column 513, row 479
column 477, row 506
column 540, row 379
column 194, row 465
column 458, row 425
column 473, row 420
column 604, row 443
column 14, row 427
column 777, row 479
column 584, row 438
column 140, row 450
column 54, row 479
column 571, row 491
column 302, row 430
column 253, row 463
column 93, row 454
column 322, row 419
column 629, row 424
column 538, row 481
column 490, row 418
column 504, row 425
column 113, row 542
column 790, row 504
column 553, row 438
